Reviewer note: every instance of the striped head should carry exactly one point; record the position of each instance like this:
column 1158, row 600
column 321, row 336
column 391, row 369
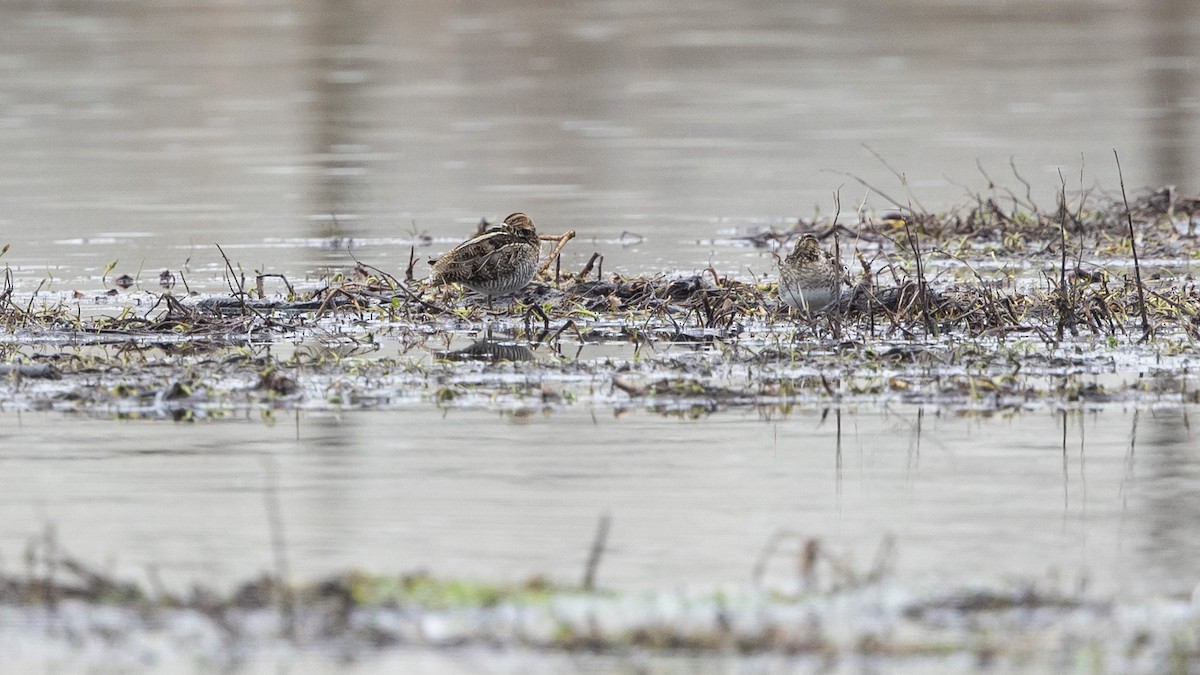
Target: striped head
column 808, row 249
column 519, row 222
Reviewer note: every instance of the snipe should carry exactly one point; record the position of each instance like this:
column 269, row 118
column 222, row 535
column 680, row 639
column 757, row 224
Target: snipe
column 500, row 261
column 809, row 278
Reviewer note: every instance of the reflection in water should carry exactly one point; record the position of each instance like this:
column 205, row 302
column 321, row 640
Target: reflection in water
column 838, row 452
column 1074, row 421
column 473, row 493
column 326, row 510
column 1065, row 475
column 1170, row 491
column 1083, row 464
column 1173, row 61
column 489, row 350
column 914, row 448
column 1130, row 463
column 242, row 122
column 340, row 76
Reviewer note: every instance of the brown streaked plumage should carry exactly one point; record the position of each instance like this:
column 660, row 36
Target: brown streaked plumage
column 809, row 279
column 500, row 261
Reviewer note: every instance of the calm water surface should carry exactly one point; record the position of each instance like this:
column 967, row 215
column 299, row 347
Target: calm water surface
column 142, row 132
column 968, row 498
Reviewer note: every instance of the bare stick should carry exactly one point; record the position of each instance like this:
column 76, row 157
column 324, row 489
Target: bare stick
column 1012, row 162
column 240, row 293
column 258, row 280
column 1137, row 268
column 593, row 562
column 874, row 189
column 837, row 258
column 283, row 586
column 1064, row 302
column 587, row 269
column 562, row 240
column 537, row 309
column 391, row 280
column 991, row 183
column 331, row 300
column 899, row 176
column 395, row 284
column 561, row 330
column 994, row 190
column 921, row 287
column 6, row 295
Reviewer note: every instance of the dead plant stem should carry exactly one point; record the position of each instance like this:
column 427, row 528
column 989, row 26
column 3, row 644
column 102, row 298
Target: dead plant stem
column 1137, row 268
column 596, row 552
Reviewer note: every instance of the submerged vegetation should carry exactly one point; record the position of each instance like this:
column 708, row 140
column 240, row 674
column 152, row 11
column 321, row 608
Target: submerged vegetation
column 822, row 611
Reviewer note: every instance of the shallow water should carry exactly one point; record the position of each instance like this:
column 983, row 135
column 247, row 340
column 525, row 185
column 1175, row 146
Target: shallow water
column 140, row 133
column 143, row 132
column 969, row 498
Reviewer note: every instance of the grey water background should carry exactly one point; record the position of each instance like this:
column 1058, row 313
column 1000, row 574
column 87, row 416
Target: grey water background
column 969, row 499
column 143, row 132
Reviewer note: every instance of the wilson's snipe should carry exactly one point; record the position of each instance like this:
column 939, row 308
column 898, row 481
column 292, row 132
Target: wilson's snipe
column 500, row 261
column 809, row 279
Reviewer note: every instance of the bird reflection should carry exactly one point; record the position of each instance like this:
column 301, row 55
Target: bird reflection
column 492, row 351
